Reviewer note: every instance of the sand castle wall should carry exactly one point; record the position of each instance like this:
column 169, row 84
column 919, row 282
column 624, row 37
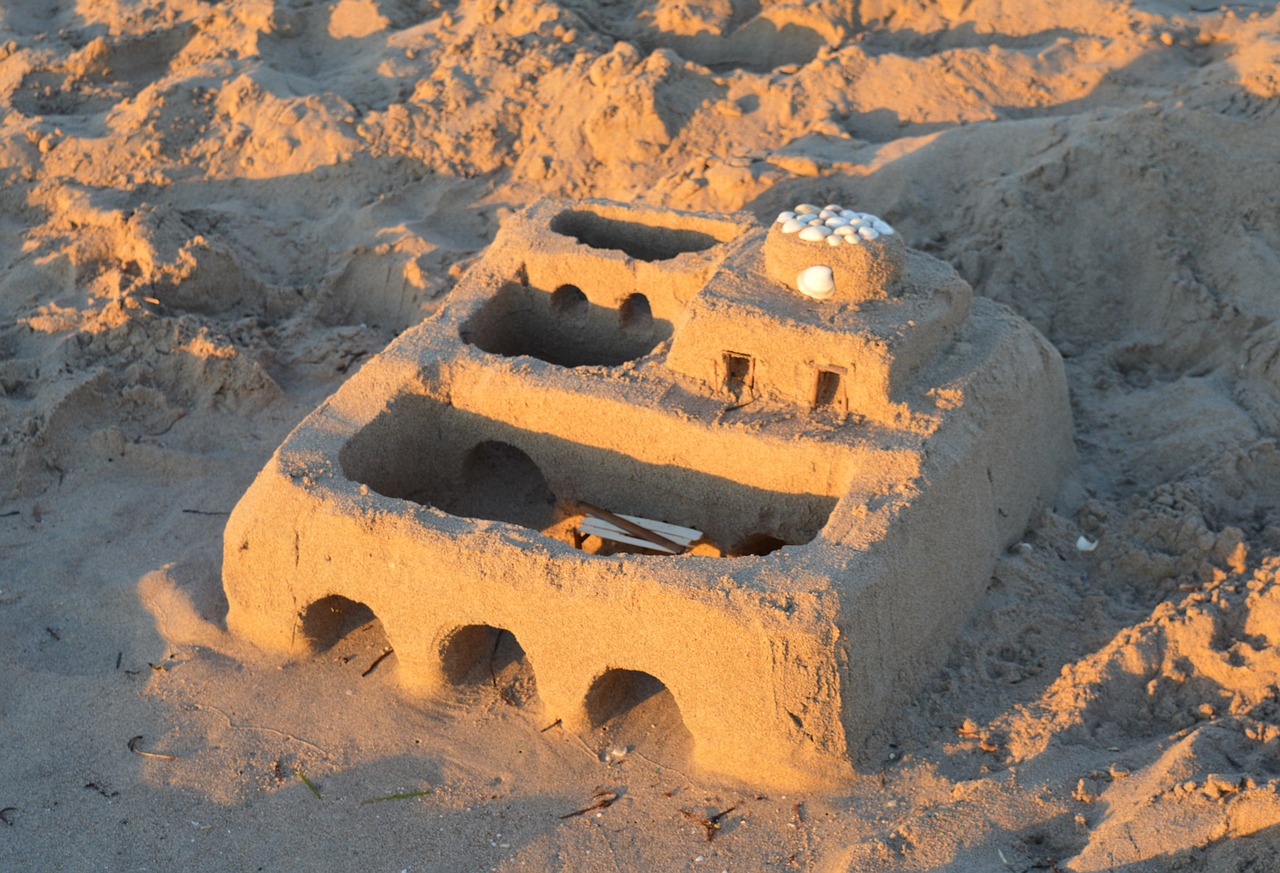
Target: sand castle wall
column 441, row 484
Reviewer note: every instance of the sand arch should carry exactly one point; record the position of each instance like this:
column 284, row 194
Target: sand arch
column 635, row 313
column 569, row 300
column 479, row 655
column 329, row 619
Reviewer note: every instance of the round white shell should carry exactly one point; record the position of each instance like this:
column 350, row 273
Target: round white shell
column 791, row 225
column 806, row 208
column 833, row 240
column 817, row 282
column 815, row 233
column 785, row 216
column 868, row 233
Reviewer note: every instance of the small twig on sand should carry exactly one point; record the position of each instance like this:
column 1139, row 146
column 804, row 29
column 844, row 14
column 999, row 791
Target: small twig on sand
column 133, row 747
column 709, row 825
column 203, row 512
column 376, row 661
column 603, row 800
column 407, row 795
column 558, row 721
column 10, row 514
column 307, row 782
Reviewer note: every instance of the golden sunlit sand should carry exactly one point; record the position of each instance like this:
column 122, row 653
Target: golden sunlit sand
column 217, row 215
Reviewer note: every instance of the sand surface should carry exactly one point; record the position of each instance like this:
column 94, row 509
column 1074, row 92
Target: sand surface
column 212, row 213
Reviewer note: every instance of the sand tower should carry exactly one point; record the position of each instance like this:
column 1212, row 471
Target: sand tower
column 769, row 468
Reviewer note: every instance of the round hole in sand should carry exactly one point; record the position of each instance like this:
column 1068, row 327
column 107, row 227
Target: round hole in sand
column 756, row 544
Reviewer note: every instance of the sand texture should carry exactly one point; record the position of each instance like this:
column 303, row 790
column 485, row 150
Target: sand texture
column 213, row 214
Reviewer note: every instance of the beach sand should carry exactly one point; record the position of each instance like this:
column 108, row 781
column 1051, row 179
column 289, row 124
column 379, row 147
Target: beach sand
column 213, row 213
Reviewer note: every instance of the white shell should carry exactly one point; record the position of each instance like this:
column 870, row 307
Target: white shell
column 785, row 216
column 849, row 214
column 853, row 240
column 825, row 214
column 836, row 221
column 1083, row 544
column 833, row 207
column 816, row 282
column 868, row 233
column 815, row 233
column 885, row 230
column 791, row 225
column 845, row 230
column 811, row 220
column 833, row 240
column 806, row 208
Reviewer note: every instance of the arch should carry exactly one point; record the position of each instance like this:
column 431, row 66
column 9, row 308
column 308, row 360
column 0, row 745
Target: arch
column 480, row 655
column 501, row 483
column 327, row 621
column 568, row 299
column 758, row 544
column 635, row 313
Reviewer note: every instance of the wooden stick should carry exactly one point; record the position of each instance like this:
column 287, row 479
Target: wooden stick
column 630, row 527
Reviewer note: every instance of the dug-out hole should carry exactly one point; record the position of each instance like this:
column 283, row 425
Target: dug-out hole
column 636, row 709
column 564, row 327
column 459, row 461
column 644, row 242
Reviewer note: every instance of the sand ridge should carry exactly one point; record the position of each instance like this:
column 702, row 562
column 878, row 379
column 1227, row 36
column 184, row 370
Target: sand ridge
column 212, row 214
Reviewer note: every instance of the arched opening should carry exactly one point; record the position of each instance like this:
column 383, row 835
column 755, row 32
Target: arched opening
column 756, row 544
column 502, row 483
column 480, row 655
column 633, row 708
column 568, row 299
column 635, row 313
column 345, row 628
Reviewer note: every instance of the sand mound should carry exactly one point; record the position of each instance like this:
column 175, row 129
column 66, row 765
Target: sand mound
column 212, row 213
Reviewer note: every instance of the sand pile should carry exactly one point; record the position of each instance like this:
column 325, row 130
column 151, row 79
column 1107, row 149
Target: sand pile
column 212, row 213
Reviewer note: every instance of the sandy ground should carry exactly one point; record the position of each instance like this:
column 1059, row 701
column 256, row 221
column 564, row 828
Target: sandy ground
column 213, row 212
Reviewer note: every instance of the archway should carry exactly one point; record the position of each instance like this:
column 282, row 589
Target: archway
column 481, row 655
column 501, row 483
column 634, row 709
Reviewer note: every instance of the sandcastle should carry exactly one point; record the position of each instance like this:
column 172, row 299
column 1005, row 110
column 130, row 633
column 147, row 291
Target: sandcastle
column 852, row 434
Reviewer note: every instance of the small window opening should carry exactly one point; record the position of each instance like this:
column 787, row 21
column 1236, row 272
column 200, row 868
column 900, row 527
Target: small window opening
column 739, row 372
column 635, row 314
column 567, row 299
column 828, row 390
column 632, row 708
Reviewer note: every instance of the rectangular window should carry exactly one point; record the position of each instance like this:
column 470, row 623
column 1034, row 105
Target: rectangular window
column 828, row 390
column 738, row 371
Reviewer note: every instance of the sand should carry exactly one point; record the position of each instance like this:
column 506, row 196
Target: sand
column 214, row 213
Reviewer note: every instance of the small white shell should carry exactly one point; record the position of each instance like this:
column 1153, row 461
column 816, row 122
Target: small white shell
column 853, row 240
column 825, row 214
column 1083, row 543
column 811, row 220
column 836, row 221
column 833, row 207
column 849, row 214
column 868, row 233
column 791, row 225
column 815, row 233
column 845, row 230
column 806, row 208
column 833, row 240
column 885, row 230
column 817, row 282
column 784, row 216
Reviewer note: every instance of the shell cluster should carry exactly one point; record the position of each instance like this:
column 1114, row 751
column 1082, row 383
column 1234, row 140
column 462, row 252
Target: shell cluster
column 833, row 224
